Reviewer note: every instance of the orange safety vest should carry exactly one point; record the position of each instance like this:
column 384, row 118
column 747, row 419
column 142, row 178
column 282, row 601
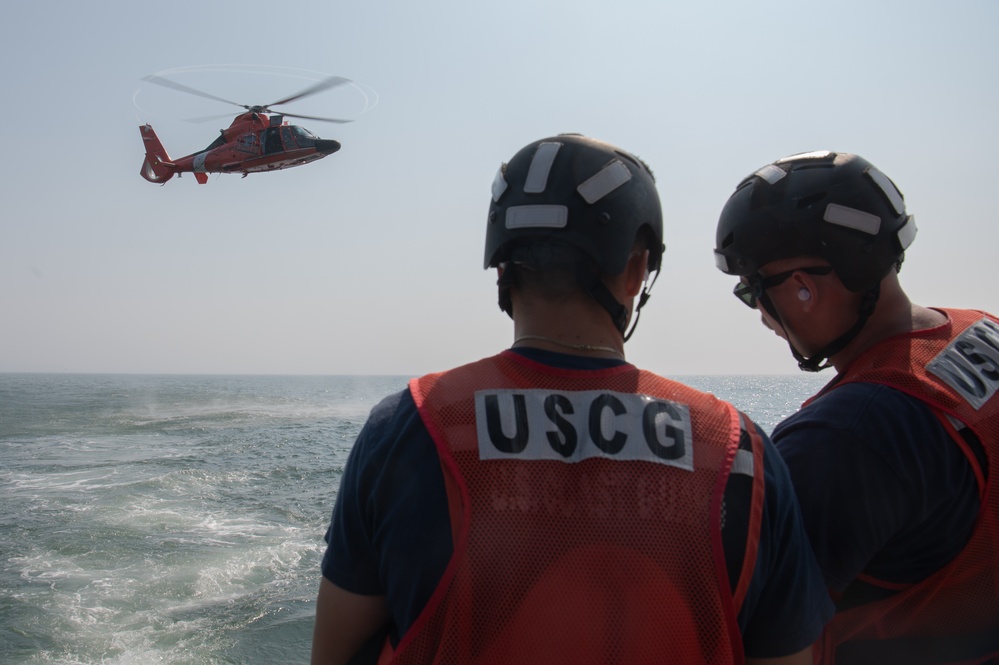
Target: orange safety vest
column 586, row 513
column 952, row 616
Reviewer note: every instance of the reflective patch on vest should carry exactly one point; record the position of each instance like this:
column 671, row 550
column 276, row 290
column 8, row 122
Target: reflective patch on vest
column 958, row 425
column 970, row 363
column 743, row 463
column 569, row 426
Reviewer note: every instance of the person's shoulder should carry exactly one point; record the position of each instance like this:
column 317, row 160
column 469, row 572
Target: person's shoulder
column 866, row 421
column 390, row 418
column 966, row 310
column 391, row 406
column 394, row 439
column 856, row 406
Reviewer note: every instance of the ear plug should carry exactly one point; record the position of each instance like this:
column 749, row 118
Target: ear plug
column 804, row 294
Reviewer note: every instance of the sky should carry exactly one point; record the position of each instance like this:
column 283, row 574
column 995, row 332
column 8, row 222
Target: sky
column 370, row 261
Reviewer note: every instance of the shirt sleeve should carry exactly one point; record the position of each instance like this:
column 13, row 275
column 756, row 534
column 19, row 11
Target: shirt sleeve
column 351, row 559
column 787, row 605
column 391, row 500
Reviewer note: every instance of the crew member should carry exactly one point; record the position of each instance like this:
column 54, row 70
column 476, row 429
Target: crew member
column 554, row 503
column 891, row 460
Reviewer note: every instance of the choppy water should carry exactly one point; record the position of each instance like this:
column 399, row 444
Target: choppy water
column 179, row 519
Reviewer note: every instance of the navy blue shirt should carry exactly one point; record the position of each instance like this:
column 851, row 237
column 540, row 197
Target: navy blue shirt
column 883, row 488
column 390, row 533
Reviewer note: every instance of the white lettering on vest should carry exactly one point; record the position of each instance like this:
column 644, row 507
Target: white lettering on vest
column 570, row 426
column 970, row 363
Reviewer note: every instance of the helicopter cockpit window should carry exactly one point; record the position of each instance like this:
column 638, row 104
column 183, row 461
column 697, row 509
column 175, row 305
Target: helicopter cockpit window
column 304, row 137
column 288, row 138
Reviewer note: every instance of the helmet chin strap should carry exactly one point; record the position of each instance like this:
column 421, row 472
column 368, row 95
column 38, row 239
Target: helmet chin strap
column 505, row 283
column 643, row 298
column 592, row 284
column 815, row 363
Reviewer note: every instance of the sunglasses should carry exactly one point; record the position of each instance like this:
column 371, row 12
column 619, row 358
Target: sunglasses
column 749, row 293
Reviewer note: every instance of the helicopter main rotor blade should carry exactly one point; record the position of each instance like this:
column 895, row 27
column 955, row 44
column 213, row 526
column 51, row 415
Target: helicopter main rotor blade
column 208, row 118
column 313, row 117
column 325, row 84
column 167, row 83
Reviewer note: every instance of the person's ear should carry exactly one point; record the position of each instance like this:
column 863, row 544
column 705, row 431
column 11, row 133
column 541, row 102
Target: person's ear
column 636, row 271
column 806, row 290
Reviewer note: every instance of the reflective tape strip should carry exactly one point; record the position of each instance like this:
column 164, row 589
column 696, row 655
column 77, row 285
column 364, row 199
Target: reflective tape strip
column 541, row 165
column 721, row 262
column 605, row 181
column 852, row 218
column 816, row 154
column 958, row 425
column 199, row 162
column 771, row 173
column 907, row 233
column 499, row 185
column 743, row 463
column 885, row 184
column 537, row 216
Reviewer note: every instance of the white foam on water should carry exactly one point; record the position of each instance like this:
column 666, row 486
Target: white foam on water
column 162, row 608
column 169, row 519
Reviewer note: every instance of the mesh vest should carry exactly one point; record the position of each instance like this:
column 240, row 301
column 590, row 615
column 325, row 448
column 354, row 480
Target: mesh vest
column 586, row 509
column 953, row 615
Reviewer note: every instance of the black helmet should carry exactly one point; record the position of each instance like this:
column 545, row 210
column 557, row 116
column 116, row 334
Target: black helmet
column 575, row 191
column 835, row 206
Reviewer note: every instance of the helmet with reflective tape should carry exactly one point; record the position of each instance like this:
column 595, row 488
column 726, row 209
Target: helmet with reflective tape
column 574, row 191
column 835, row 206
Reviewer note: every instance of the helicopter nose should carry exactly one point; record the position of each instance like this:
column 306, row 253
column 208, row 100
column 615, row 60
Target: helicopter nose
column 327, row 146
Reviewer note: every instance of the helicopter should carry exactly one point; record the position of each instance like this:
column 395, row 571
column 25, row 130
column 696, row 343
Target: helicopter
column 257, row 141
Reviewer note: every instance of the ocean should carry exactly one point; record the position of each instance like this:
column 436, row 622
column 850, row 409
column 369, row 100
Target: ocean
column 180, row 519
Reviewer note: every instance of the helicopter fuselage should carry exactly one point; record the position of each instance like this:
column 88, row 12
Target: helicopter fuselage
column 255, row 142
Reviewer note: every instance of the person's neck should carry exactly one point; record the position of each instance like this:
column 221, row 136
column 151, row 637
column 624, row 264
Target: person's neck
column 894, row 315
column 562, row 346
column 589, row 333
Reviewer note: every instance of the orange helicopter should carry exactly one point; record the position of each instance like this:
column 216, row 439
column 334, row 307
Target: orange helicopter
column 257, row 141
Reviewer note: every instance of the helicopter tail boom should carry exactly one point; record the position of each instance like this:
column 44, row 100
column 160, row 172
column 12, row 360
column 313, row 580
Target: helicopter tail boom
column 156, row 167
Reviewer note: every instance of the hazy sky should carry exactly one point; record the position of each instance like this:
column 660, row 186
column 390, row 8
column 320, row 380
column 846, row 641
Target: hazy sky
column 370, row 261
